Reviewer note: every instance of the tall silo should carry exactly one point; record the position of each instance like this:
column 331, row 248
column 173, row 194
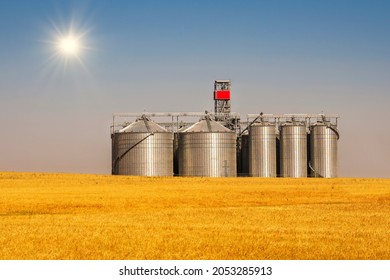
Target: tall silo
column 262, row 150
column 323, row 150
column 207, row 148
column 143, row 148
column 293, row 150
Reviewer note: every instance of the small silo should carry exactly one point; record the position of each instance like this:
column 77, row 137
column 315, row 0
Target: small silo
column 208, row 149
column 142, row 148
column 262, row 150
column 293, row 150
column 323, row 150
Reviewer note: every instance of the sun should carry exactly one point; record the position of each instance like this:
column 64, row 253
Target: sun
column 69, row 45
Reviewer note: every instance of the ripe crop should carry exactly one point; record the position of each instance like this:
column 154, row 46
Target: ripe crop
column 65, row 216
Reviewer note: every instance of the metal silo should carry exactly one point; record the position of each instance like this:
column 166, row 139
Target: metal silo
column 143, row 148
column 207, row 149
column 293, row 150
column 323, row 150
column 262, row 150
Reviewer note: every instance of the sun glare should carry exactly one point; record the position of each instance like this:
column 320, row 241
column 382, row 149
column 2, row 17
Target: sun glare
column 69, row 45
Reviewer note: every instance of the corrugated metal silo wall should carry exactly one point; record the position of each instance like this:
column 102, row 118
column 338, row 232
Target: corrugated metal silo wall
column 323, row 142
column 262, row 151
column 209, row 154
column 293, row 151
column 152, row 156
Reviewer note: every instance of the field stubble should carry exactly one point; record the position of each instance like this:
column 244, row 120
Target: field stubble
column 64, row 216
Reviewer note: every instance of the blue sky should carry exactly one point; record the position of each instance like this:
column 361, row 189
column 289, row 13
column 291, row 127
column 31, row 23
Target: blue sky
column 282, row 57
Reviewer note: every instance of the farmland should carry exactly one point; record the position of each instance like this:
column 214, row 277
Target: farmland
column 66, row 216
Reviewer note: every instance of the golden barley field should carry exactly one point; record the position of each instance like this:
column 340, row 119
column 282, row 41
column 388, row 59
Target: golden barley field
column 65, row 216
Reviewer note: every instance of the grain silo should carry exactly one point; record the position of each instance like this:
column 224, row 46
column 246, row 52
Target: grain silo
column 323, row 150
column 293, row 149
column 271, row 145
column 262, row 150
column 207, row 148
column 142, row 148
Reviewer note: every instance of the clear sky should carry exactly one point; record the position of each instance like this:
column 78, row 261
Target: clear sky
column 282, row 57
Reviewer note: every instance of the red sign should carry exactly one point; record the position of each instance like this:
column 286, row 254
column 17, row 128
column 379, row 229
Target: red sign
column 222, row 94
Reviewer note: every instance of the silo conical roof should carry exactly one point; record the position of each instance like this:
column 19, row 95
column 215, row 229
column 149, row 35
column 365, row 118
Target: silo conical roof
column 207, row 125
column 144, row 125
